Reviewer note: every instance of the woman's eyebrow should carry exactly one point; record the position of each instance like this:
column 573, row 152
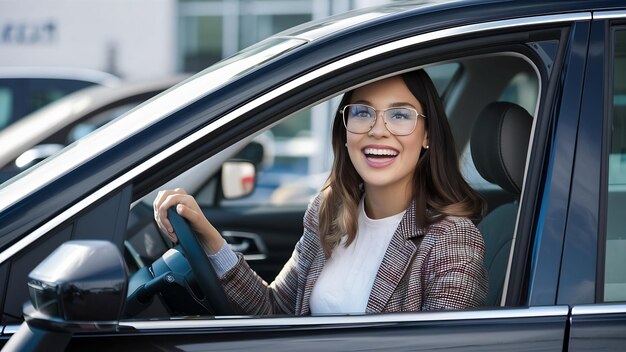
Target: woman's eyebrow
column 393, row 105
column 401, row 104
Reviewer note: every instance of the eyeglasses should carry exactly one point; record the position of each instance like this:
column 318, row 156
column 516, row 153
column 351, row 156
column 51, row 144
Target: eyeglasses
column 361, row 118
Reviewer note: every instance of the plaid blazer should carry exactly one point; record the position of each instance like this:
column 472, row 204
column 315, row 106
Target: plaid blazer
column 445, row 272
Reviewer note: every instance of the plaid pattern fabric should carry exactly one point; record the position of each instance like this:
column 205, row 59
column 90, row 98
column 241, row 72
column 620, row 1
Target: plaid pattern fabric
column 446, row 272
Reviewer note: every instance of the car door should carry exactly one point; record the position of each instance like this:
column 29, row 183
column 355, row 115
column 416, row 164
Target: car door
column 593, row 279
column 529, row 317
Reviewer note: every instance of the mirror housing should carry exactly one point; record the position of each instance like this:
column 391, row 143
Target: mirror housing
column 81, row 284
column 238, row 179
column 80, row 287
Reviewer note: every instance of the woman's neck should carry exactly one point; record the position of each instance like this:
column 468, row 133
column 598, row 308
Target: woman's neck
column 382, row 202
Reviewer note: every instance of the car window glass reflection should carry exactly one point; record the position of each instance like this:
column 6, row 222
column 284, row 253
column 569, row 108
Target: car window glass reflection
column 615, row 276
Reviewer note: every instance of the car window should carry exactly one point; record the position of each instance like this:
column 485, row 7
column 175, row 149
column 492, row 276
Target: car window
column 41, row 97
column 264, row 227
column 293, row 157
column 6, row 106
column 444, row 75
column 21, row 96
column 297, row 156
column 11, row 90
column 523, row 90
column 615, row 275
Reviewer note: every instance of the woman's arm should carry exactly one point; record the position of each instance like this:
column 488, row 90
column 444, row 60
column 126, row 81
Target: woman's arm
column 455, row 277
column 284, row 295
column 252, row 295
column 242, row 285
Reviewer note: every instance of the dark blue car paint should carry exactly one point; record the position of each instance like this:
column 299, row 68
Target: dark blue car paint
column 553, row 212
column 578, row 273
column 526, row 334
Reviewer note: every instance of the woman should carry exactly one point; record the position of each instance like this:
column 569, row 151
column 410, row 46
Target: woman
column 391, row 229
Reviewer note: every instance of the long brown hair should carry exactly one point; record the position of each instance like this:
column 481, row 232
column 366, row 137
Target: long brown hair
column 439, row 189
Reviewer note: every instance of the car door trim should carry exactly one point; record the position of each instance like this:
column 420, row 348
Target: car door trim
column 607, row 15
column 591, row 309
column 348, row 320
column 269, row 96
column 243, row 322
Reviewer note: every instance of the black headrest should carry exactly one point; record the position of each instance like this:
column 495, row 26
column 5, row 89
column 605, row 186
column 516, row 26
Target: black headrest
column 499, row 144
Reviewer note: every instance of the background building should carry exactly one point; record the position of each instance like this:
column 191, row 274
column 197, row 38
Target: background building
column 211, row 30
column 146, row 38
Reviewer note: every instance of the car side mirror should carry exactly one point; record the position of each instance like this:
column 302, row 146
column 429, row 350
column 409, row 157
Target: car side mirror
column 81, row 286
column 253, row 152
column 238, row 179
column 36, row 154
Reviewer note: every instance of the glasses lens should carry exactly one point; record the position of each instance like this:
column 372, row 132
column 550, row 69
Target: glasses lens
column 359, row 118
column 400, row 121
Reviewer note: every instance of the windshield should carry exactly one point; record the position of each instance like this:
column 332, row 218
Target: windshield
column 143, row 116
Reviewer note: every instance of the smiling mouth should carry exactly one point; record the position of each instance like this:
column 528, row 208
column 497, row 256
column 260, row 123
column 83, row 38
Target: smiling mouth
column 380, row 153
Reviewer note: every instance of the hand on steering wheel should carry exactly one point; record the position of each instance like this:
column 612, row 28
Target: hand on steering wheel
column 187, row 207
column 202, row 268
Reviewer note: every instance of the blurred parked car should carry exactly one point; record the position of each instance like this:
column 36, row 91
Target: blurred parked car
column 50, row 129
column 534, row 93
column 26, row 89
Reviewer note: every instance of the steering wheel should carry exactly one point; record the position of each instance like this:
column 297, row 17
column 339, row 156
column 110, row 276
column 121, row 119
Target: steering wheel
column 202, row 268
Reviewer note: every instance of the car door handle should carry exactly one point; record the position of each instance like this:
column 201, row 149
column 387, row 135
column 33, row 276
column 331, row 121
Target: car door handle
column 241, row 246
column 249, row 244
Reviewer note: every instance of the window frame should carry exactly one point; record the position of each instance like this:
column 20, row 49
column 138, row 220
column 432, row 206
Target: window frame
column 408, row 60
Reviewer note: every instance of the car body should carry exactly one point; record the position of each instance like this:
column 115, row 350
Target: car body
column 26, row 89
column 562, row 283
column 62, row 122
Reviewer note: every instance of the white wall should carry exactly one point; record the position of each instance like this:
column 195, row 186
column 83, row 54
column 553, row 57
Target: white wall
column 133, row 38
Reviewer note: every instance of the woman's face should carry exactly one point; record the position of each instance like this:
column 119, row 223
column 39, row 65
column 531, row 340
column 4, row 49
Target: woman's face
column 382, row 159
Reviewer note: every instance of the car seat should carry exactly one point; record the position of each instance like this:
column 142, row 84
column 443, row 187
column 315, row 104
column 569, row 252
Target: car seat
column 499, row 143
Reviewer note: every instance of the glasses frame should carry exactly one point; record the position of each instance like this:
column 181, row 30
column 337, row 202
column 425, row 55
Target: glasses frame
column 378, row 111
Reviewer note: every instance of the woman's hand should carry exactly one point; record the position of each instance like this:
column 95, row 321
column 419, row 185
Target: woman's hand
column 188, row 208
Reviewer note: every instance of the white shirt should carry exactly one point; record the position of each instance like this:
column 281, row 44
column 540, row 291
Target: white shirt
column 345, row 283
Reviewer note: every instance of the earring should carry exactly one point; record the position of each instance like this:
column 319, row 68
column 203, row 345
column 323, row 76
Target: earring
column 346, row 144
column 426, row 147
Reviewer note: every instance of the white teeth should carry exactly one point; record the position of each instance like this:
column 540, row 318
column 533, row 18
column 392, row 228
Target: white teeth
column 375, row 151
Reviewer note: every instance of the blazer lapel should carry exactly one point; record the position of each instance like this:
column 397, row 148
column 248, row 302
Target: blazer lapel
column 396, row 261
column 314, row 272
